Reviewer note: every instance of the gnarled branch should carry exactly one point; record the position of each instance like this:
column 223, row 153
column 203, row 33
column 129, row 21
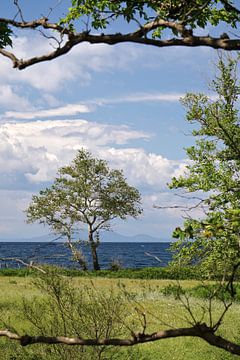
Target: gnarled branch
column 185, row 38
column 199, row 330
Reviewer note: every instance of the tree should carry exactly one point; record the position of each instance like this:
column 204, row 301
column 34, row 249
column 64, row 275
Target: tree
column 158, row 23
column 87, row 193
column 213, row 239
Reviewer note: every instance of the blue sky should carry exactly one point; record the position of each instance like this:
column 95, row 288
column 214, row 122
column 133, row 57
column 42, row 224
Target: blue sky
column 120, row 102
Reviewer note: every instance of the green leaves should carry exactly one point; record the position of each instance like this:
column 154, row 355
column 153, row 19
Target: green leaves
column 5, row 36
column 99, row 14
column 213, row 238
column 85, row 193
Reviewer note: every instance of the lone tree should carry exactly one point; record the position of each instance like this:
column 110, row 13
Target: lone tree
column 87, row 192
column 213, row 239
column 158, row 23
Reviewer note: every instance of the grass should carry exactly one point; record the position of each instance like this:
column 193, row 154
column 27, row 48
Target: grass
column 162, row 311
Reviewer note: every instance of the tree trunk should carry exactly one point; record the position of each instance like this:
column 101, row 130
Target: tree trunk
column 93, row 247
column 77, row 255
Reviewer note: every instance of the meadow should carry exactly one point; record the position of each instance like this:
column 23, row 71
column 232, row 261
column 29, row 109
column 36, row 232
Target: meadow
column 31, row 305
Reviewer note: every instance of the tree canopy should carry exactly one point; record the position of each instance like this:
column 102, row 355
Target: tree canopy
column 86, row 192
column 213, row 175
column 157, row 23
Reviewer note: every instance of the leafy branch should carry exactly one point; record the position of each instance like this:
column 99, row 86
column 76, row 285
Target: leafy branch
column 161, row 24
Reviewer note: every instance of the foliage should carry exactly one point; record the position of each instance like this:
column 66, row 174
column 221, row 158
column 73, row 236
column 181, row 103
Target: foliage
column 89, row 193
column 83, row 311
column 5, row 35
column 202, row 291
column 150, row 22
column 171, row 272
column 159, row 310
column 212, row 240
column 115, row 264
column 199, row 13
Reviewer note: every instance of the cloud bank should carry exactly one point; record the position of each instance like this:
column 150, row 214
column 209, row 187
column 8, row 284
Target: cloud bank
column 33, row 151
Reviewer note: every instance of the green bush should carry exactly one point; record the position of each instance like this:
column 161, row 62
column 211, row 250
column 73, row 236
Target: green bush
column 203, row 291
column 169, row 272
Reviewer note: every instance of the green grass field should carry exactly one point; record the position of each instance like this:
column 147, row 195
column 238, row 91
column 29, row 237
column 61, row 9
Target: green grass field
column 146, row 295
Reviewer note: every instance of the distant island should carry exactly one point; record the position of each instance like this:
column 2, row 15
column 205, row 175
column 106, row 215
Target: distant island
column 107, row 236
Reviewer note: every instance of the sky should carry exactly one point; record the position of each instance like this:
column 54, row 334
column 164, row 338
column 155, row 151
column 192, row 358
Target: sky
column 120, row 102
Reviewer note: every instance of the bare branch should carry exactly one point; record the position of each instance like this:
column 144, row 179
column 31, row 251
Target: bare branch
column 19, row 10
column 219, row 322
column 185, row 208
column 51, row 9
column 50, row 37
column 156, row 258
column 199, row 330
column 29, row 265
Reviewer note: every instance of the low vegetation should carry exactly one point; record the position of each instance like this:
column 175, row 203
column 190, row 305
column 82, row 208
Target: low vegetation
column 144, row 273
column 82, row 305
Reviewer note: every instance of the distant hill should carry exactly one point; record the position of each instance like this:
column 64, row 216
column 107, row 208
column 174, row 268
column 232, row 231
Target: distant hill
column 107, row 236
column 110, row 236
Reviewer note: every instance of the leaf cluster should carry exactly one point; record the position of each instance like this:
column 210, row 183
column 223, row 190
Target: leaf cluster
column 5, row 35
column 198, row 13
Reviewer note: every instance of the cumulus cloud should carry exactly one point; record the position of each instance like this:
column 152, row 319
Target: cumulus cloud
column 32, row 152
column 144, row 168
column 35, row 150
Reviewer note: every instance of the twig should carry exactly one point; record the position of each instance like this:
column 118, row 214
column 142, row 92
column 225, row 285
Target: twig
column 29, row 265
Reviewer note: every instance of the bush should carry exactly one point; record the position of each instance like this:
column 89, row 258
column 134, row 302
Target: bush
column 169, row 272
column 203, row 291
column 82, row 311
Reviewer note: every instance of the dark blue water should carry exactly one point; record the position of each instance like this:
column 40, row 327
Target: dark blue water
column 129, row 255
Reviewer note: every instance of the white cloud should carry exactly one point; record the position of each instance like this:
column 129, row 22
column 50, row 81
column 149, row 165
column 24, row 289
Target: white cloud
column 10, row 98
column 142, row 97
column 79, row 65
column 144, row 168
column 12, row 218
column 50, row 100
column 74, row 109
column 35, row 150
column 155, row 222
column 67, row 110
column 32, row 152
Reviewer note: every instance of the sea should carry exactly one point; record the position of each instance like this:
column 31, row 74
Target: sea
column 128, row 255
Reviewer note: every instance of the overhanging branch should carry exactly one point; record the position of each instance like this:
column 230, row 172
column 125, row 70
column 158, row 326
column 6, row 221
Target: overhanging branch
column 186, row 38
